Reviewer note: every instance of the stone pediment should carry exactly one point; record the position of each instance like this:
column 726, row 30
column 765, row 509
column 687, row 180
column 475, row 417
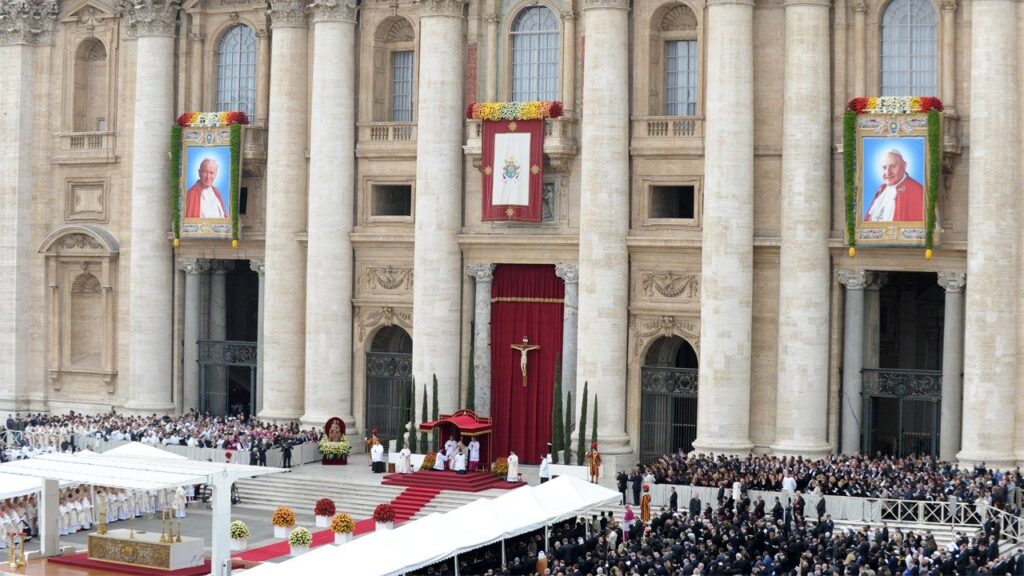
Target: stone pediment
column 84, row 11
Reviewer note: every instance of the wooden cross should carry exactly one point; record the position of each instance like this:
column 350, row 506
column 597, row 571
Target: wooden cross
column 524, row 349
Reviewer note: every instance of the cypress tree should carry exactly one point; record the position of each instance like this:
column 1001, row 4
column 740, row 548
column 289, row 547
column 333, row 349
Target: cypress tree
column 593, row 429
column 556, row 412
column 581, row 436
column 471, row 386
column 567, row 429
column 423, row 418
column 403, row 416
column 411, row 403
column 435, row 414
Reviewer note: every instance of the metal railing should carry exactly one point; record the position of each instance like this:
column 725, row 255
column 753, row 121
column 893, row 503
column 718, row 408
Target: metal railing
column 387, row 132
column 669, row 127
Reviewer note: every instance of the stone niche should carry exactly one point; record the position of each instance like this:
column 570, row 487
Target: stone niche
column 81, row 272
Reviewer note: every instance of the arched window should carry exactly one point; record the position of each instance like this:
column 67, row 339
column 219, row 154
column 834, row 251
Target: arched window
column 236, row 70
column 90, row 102
column 535, row 55
column 909, row 49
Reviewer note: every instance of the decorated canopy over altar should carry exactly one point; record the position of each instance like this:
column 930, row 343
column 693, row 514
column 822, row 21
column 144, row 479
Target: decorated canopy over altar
column 463, row 423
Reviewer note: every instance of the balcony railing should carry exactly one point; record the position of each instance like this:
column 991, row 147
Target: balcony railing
column 254, row 143
column 668, row 134
column 387, row 139
column 560, row 143
column 924, row 384
column 85, row 148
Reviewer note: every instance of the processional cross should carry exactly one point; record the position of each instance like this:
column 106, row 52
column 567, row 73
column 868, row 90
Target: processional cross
column 524, row 349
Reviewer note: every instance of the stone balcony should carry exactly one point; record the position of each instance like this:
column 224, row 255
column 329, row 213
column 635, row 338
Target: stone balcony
column 254, row 143
column 85, row 148
column 668, row 136
column 386, row 139
column 560, row 142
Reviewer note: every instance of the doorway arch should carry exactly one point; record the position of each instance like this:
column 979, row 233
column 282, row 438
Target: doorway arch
column 388, row 372
column 668, row 404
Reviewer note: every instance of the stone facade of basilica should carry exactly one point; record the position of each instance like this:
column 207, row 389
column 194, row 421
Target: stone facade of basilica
column 693, row 205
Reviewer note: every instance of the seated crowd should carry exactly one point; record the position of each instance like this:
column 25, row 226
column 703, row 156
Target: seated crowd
column 911, row 478
column 737, row 539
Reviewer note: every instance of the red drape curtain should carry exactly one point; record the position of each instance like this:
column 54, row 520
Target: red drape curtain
column 526, row 300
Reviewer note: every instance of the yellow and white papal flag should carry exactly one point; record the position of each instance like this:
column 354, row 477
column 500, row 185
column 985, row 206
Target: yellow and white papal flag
column 511, row 184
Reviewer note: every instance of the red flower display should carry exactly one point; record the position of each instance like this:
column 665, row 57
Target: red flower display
column 383, row 513
column 324, row 507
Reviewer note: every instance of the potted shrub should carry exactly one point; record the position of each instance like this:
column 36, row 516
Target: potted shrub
column 239, row 533
column 299, row 540
column 343, row 527
column 334, row 452
column 500, row 468
column 384, row 516
column 283, row 520
column 323, row 510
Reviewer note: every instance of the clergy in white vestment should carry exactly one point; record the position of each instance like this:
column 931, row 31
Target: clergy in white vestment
column 439, row 461
column 87, row 518
column 179, row 502
column 405, row 460
column 377, row 457
column 460, row 462
column 64, row 519
column 123, row 511
column 513, row 467
column 474, row 454
column 78, row 513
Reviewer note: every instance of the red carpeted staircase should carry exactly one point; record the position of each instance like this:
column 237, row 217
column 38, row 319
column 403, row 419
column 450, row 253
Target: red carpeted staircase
column 411, row 501
column 448, row 480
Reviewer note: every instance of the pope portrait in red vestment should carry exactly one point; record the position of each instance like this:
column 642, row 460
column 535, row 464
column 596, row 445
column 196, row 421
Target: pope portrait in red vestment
column 900, row 198
column 203, row 199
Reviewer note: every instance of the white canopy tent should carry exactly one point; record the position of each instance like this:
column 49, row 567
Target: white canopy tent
column 135, row 471
column 439, row 536
column 139, row 450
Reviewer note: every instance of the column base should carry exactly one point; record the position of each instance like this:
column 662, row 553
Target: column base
column 277, row 416
column 724, row 446
column 989, row 459
column 319, row 420
column 814, row 451
column 143, row 409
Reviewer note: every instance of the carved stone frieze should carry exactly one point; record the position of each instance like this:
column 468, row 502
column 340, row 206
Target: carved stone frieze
column 80, row 242
column 647, row 328
column 685, row 286
column 333, row 11
column 388, row 278
column 367, row 318
column 288, row 13
column 27, row 21
column 149, row 17
column 441, row 7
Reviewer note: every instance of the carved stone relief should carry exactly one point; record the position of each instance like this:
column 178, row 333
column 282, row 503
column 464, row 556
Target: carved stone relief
column 368, row 318
column 647, row 328
column 677, row 288
column 378, row 279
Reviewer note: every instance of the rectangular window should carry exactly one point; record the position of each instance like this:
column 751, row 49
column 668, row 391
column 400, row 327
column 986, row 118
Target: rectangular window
column 392, row 200
column 681, row 78
column 671, row 202
column 401, row 86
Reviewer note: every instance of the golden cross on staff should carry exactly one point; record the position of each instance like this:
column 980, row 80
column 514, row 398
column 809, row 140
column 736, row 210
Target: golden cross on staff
column 524, row 349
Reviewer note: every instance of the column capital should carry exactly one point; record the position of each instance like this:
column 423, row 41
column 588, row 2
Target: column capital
column 334, row 11
column 27, row 21
column 876, row 280
column 570, row 273
column 221, row 266
column 723, row 2
column 953, row 281
column 948, row 5
column 568, row 15
column 615, row 4
column 197, row 37
column 492, row 19
column 288, row 13
column 192, row 265
column 853, row 279
column 441, row 7
column 823, row 3
column 149, row 17
column 859, row 7
column 258, row 265
column 480, row 272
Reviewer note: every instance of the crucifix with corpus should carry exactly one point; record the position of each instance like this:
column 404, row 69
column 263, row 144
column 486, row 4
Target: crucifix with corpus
column 524, row 349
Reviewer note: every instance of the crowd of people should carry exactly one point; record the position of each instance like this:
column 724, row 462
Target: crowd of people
column 913, row 477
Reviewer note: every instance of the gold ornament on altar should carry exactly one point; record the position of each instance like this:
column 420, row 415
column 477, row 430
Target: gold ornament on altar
column 178, row 539
column 10, row 552
column 166, row 527
column 22, row 559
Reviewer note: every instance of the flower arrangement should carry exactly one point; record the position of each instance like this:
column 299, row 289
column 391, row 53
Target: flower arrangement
column 500, row 467
column 384, row 513
column 342, row 524
column 324, row 507
column 300, row 537
column 283, row 517
column 239, row 531
column 211, row 119
column 428, row 461
column 496, row 111
column 335, row 449
column 894, row 105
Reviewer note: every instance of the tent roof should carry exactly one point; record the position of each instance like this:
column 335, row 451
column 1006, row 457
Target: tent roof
column 468, row 423
column 140, row 450
column 137, row 473
column 11, row 485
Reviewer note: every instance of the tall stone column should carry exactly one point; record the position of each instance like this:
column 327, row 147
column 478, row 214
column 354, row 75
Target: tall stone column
column 860, row 43
column 285, row 308
column 991, row 337
column 873, row 319
column 952, row 364
column 197, row 40
column 569, row 60
column 853, row 359
column 604, row 221
column 804, row 279
column 948, row 51
column 23, row 24
column 492, row 58
column 150, row 268
column 331, row 197
column 483, row 276
column 256, row 265
column 727, row 253
column 217, row 377
column 570, row 274
column 437, row 292
column 193, row 268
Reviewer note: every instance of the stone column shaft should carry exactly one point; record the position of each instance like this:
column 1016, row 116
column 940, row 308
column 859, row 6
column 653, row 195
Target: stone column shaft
column 150, row 320
column 483, row 276
column 952, row 364
column 727, row 254
column 217, row 376
column 331, row 196
column 873, row 319
column 193, row 269
column 570, row 273
column 197, row 40
column 604, row 221
column 285, row 306
column 256, row 265
column 853, row 359
column 569, row 59
column 263, row 85
column 859, row 47
column 804, row 279
column 437, row 258
column 991, row 337
column 492, row 57
column 949, row 54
